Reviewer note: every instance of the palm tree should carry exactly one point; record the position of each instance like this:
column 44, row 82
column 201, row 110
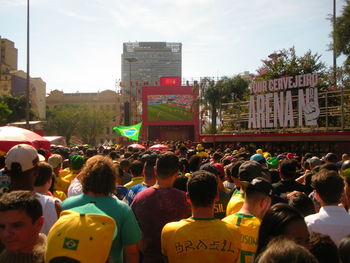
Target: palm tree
column 210, row 98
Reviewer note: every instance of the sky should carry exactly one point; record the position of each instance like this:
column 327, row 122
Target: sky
column 76, row 45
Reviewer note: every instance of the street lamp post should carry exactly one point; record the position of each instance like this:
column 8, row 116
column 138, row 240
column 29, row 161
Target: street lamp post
column 28, row 76
column 130, row 60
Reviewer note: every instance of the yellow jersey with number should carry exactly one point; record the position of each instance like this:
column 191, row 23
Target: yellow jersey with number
column 200, row 240
column 236, row 202
column 249, row 227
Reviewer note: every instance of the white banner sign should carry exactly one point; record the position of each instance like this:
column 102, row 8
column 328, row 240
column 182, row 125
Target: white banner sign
column 275, row 109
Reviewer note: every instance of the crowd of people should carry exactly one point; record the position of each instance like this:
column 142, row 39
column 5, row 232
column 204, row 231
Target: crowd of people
column 187, row 204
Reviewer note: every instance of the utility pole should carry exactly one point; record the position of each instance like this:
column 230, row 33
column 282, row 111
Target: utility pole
column 28, row 75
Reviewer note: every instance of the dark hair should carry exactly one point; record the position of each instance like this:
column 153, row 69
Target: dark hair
column 288, row 169
column 148, row 171
column 217, row 156
column 275, row 175
column 136, row 168
column 281, row 250
column 113, row 155
column 202, row 188
column 181, row 183
column 329, row 186
column 323, row 248
column 235, row 169
column 45, row 173
column 124, row 164
column 331, row 157
column 194, row 163
column 99, row 175
column 274, row 223
column 25, row 201
column 344, row 250
column 167, row 164
column 302, row 203
column 190, row 153
column 329, row 166
column 184, row 165
column 90, row 152
column 209, row 168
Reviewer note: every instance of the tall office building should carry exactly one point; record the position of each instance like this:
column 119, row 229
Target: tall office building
column 14, row 81
column 143, row 63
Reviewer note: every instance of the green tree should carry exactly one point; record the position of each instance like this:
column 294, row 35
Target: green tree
column 341, row 35
column 64, row 120
column 17, row 106
column 285, row 62
column 210, row 98
column 92, row 124
column 4, row 112
column 237, row 89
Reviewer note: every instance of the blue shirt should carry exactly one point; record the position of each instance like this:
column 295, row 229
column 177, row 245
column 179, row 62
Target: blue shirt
column 133, row 191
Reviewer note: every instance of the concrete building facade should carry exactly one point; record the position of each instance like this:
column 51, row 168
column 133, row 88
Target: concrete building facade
column 14, row 81
column 107, row 100
column 143, row 64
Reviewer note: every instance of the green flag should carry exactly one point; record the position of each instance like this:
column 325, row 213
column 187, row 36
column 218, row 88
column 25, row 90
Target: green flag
column 132, row 132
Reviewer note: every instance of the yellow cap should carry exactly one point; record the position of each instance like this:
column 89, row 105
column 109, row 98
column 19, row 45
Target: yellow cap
column 85, row 234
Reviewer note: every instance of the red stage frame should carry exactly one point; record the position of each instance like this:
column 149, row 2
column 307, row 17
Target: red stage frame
column 161, row 90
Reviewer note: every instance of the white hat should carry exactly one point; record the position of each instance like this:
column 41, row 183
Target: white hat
column 55, row 160
column 24, row 155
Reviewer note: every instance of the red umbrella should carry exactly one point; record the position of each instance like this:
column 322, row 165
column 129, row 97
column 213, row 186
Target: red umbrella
column 137, row 146
column 161, row 147
column 11, row 136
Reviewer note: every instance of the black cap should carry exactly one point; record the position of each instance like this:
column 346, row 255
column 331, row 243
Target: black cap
column 261, row 185
column 250, row 170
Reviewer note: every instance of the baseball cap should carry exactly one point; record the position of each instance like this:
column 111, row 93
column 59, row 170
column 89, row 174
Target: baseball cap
column 272, row 162
column 248, row 171
column 261, row 185
column 259, row 151
column 257, row 157
column 290, row 156
column 220, row 168
column 24, row 156
column 314, row 161
column 200, row 147
column 54, row 160
column 84, row 233
column 76, row 162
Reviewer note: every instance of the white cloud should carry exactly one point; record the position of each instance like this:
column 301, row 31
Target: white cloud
column 76, row 15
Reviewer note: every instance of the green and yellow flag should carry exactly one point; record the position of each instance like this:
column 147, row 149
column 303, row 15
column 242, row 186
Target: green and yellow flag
column 132, row 132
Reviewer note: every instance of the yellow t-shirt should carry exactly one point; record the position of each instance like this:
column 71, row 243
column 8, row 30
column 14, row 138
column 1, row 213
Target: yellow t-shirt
column 202, row 154
column 236, row 202
column 200, row 240
column 249, row 227
column 134, row 181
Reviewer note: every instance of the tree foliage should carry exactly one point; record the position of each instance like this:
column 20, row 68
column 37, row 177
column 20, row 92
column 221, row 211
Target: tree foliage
column 92, row 124
column 341, row 35
column 64, row 120
column 214, row 93
column 285, row 62
column 16, row 108
column 4, row 111
column 79, row 120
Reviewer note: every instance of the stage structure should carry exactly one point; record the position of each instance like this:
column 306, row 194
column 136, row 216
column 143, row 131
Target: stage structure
column 169, row 111
column 290, row 113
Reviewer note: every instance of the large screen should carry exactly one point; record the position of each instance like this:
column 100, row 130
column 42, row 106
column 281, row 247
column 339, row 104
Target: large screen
column 170, row 107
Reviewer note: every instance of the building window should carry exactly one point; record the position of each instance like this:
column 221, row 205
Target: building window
column 107, row 130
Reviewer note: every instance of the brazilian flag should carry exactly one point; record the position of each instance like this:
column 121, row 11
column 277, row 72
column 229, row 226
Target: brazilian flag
column 132, row 132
